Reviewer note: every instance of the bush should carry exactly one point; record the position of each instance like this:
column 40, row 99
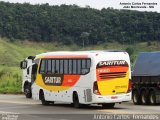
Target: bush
column 130, row 51
column 10, row 80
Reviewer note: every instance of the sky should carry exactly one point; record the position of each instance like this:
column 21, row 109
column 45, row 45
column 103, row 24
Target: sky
column 97, row 4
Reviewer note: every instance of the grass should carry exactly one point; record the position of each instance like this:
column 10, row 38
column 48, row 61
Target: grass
column 10, row 80
column 11, row 53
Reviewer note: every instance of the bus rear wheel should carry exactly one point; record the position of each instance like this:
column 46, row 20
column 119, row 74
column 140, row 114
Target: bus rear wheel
column 108, row 105
column 27, row 91
column 76, row 103
column 42, row 98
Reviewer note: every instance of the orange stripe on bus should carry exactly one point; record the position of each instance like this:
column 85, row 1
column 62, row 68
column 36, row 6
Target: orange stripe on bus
column 111, row 69
column 70, row 80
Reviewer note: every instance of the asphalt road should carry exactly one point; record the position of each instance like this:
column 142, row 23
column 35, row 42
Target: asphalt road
column 17, row 107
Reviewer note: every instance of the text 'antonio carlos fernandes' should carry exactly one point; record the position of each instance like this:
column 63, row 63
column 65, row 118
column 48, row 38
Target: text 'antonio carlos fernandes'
column 137, row 3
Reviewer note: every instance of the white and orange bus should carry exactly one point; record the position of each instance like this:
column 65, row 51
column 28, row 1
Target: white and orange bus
column 82, row 77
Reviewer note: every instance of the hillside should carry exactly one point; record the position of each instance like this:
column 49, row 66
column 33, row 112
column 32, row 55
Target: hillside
column 11, row 53
column 33, row 29
column 73, row 24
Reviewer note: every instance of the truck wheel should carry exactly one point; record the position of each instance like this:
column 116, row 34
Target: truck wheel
column 135, row 98
column 108, row 105
column 152, row 98
column 42, row 98
column 76, row 103
column 144, row 97
column 27, row 91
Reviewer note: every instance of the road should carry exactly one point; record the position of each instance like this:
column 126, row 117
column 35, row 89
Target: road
column 20, row 108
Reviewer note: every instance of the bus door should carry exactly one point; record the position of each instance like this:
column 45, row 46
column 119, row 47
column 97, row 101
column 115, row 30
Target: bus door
column 34, row 73
column 34, row 89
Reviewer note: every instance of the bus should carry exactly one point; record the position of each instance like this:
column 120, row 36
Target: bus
column 82, row 77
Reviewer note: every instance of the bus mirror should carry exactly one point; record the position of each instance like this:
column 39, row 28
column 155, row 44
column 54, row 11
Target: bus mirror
column 23, row 64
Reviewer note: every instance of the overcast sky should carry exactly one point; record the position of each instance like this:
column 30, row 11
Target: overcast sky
column 98, row 4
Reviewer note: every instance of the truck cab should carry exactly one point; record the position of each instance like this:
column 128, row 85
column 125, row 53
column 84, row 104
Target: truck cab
column 26, row 66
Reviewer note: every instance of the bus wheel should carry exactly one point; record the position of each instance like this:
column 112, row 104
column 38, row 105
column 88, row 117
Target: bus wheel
column 144, row 97
column 27, row 91
column 42, row 98
column 135, row 98
column 152, row 98
column 108, row 105
column 76, row 103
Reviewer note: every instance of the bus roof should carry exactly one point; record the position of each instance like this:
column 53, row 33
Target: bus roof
column 78, row 53
column 147, row 64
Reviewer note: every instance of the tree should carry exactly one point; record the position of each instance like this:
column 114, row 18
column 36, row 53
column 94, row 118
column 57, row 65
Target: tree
column 83, row 26
column 130, row 50
column 84, row 37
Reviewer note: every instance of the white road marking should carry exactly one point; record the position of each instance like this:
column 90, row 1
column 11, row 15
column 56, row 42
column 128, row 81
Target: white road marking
column 4, row 112
column 18, row 102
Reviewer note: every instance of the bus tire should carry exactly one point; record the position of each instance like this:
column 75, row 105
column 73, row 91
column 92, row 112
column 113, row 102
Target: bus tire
column 135, row 98
column 144, row 97
column 76, row 103
column 108, row 105
column 42, row 98
column 27, row 90
column 152, row 98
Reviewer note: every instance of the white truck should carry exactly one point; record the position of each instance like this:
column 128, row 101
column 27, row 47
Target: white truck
column 26, row 66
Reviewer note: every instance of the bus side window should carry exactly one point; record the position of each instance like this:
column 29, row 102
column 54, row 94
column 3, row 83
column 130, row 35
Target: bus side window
column 86, row 63
column 74, row 66
column 65, row 66
column 57, row 67
column 53, row 66
column 34, row 72
column 70, row 66
column 49, row 67
column 42, row 67
column 84, row 69
column 61, row 66
column 79, row 65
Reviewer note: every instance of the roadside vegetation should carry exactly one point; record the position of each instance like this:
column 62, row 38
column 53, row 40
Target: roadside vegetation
column 71, row 24
column 10, row 80
column 11, row 53
column 33, row 29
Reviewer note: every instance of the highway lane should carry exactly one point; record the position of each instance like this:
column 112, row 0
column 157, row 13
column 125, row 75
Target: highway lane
column 28, row 109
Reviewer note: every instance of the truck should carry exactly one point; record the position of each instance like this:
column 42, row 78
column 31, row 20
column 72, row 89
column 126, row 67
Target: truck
column 146, row 79
column 26, row 66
